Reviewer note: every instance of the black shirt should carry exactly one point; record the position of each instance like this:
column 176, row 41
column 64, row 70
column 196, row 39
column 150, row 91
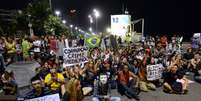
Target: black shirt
column 32, row 94
column 188, row 56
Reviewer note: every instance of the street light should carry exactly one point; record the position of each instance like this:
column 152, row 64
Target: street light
column 71, row 28
column 97, row 15
column 64, row 21
column 90, row 29
column 30, row 25
column 89, row 16
column 57, row 12
column 108, row 30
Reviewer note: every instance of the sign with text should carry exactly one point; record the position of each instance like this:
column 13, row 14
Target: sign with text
column 75, row 55
column 54, row 97
column 154, row 72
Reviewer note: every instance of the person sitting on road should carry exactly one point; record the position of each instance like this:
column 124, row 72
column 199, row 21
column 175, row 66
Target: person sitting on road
column 9, row 83
column 174, row 81
column 146, row 85
column 102, row 88
column 55, row 81
column 127, row 83
column 193, row 63
column 135, row 68
column 44, row 70
column 89, row 73
column 197, row 72
column 39, row 90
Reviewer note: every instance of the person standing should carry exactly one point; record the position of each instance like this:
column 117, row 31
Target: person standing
column 2, row 51
column 53, row 44
column 60, row 42
column 26, row 45
column 11, row 49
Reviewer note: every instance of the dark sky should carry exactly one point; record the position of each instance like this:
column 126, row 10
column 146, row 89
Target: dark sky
column 161, row 16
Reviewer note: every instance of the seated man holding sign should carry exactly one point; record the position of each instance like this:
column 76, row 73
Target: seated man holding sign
column 55, row 81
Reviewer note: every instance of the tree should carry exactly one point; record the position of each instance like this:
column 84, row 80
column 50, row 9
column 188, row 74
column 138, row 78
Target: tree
column 39, row 11
column 54, row 24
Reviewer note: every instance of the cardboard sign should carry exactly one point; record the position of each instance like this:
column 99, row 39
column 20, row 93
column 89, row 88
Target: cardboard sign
column 54, row 97
column 154, row 72
column 75, row 55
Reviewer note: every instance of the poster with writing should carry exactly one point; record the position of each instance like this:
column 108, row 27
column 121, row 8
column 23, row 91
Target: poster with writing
column 154, row 72
column 54, row 97
column 75, row 55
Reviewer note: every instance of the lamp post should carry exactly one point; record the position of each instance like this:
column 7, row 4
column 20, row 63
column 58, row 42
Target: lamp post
column 97, row 15
column 30, row 26
column 50, row 4
column 64, row 21
column 90, row 29
column 71, row 28
column 91, row 22
column 108, row 30
column 57, row 13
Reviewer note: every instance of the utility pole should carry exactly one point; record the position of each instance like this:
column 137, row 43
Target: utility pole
column 142, row 27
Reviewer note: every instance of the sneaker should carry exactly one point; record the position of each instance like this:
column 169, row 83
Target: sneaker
column 185, row 91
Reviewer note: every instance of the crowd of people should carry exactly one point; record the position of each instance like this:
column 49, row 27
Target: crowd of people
column 122, row 68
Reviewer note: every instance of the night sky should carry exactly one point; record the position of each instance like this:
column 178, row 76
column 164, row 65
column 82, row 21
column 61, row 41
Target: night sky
column 161, row 16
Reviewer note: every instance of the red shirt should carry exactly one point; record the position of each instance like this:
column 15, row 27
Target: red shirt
column 163, row 40
column 123, row 77
column 53, row 45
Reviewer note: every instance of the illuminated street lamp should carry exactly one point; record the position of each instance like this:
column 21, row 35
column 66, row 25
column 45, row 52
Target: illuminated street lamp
column 90, row 29
column 71, row 28
column 57, row 13
column 97, row 15
column 108, row 30
column 64, row 21
column 76, row 28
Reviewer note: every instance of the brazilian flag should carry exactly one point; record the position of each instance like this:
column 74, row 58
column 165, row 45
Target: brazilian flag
column 92, row 40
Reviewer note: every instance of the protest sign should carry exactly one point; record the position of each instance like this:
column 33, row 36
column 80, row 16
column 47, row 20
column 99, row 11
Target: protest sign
column 75, row 55
column 54, row 97
column 154, row 72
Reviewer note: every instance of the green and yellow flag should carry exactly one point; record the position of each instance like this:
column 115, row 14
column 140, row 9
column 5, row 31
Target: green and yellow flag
column 92, row 40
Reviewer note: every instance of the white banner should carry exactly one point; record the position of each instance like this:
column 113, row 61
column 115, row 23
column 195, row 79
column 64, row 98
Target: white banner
column 54, row 97
column 75, row 55
column 154, row 72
